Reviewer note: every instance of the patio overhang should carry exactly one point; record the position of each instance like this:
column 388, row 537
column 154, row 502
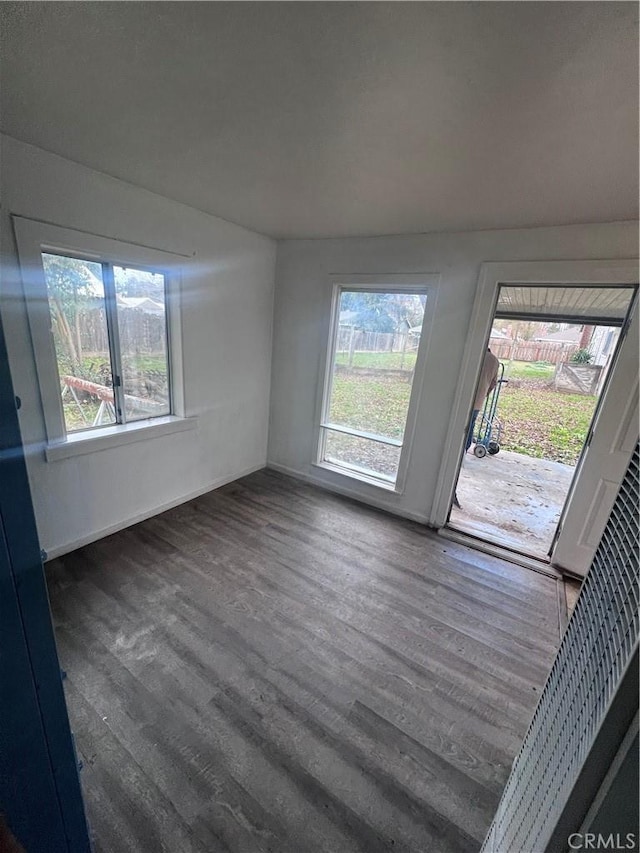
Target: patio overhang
column 584, row 304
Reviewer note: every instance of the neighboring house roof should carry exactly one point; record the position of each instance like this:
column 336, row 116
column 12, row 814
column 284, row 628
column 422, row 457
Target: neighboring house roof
column 142, row 303
column 497, row 333
column 564, row 336
column 95, row 289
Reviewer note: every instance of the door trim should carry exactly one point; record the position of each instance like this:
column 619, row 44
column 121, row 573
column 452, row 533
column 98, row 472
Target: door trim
column 492, row 275
column 603, row 462
column 629, row 417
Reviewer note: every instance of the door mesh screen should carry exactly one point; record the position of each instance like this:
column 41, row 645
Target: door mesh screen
column 593, row 654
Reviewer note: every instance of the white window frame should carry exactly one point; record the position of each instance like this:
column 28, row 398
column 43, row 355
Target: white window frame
column 33, row 238
column 419, row 284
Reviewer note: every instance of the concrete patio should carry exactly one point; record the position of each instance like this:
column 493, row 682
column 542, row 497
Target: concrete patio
column 511, row 500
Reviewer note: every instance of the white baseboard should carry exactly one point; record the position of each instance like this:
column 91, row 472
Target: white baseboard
column 121, row 525
column 305, row 477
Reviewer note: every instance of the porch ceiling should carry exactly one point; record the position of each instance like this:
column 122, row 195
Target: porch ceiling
column 594, row 304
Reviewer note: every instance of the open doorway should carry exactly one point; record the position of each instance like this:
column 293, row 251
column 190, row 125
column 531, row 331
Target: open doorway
column 556, row 348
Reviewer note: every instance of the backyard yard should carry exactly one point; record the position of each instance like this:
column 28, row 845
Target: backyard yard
column 143, row 376
column 537, row 420
column 373, row 396
column 544, row 411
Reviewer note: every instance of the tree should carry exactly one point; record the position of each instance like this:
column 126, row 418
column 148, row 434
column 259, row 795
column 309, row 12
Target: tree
column 383, row 312
column 519, row 329
column 526, row 331
column 138, row 283
column 69, row 284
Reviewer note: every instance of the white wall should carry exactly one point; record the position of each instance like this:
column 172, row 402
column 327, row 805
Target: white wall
column 301, row 326
column 227, row 317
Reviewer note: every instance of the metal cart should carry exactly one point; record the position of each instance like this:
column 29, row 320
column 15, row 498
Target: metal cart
column 489, row 426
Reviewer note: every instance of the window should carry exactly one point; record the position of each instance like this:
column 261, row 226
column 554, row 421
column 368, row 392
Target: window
column 105, row 326
column 373, row 353
column 109, row 330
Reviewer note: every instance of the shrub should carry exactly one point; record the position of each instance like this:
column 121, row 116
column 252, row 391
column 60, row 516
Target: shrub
column 581, row 356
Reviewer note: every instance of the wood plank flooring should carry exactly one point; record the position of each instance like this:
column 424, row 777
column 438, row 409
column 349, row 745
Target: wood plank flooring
column 274, row 668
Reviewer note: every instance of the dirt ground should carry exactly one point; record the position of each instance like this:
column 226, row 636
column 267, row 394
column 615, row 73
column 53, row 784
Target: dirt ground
column 511, row 500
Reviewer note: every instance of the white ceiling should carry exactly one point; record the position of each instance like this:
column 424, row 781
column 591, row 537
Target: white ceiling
column 330, row 119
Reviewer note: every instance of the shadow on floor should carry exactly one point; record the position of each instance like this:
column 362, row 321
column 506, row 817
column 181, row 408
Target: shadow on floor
column 511, row 500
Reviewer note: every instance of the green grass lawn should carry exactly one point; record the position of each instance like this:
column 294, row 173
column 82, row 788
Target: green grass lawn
column 73, row 419
column 380, row 360
column 97, row 367
column 530, row 370
column 538, row 421
column 370, row 403
column 393, row 360
column 544, row 423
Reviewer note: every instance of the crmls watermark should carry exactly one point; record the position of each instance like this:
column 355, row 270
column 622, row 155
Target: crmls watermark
column 598, row 841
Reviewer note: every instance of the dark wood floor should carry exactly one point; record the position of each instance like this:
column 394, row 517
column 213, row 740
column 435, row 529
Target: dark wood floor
column 274, row 668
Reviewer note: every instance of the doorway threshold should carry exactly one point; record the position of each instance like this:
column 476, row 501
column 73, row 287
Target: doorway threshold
column 536, row 564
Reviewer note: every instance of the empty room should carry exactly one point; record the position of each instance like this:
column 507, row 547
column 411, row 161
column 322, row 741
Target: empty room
column 287, row 291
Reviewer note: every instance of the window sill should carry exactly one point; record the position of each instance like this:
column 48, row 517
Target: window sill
column 114, row 436
column 354, row 474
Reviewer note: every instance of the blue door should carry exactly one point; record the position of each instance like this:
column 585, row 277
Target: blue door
column 40, row 795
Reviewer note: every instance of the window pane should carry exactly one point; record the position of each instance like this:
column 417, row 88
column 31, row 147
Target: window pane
column 142, row 327
column 376, row 346
column 368, row 457
column 79, row 324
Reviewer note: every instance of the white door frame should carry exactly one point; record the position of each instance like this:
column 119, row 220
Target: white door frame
column 492, row 276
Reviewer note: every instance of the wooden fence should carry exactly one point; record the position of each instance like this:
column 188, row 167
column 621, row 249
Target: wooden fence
column 578, row 378
column 353, row 340
column 551, row 352
column 139, row 331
